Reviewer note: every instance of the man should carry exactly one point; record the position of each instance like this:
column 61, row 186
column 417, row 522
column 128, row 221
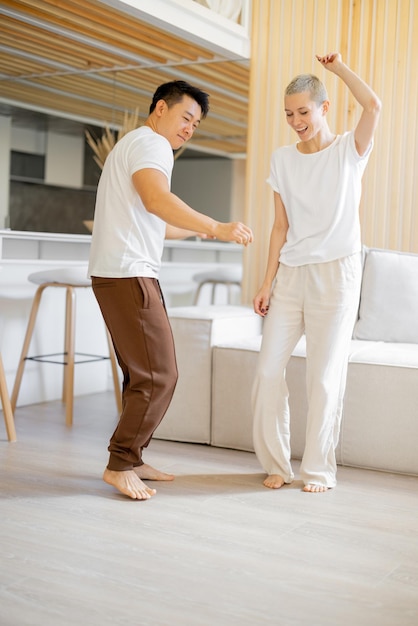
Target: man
column 135, row 211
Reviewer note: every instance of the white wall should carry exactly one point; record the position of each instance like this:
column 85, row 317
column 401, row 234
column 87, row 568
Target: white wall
column 5, row 139
column 64, row 163
column 205, row 184
column 64, row 154
column 29, row 140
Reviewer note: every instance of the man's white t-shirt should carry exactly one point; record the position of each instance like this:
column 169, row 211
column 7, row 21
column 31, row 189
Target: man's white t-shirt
column 127, row 240
column 321, row 194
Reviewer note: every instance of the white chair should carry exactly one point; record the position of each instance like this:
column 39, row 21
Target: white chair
column 226, row 276
column 70, row 279
column 7, row 407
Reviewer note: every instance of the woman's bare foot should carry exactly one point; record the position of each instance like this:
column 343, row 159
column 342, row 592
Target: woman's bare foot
column 273, row 481
column 311, row 488
column 150, row 473
column 129, row 484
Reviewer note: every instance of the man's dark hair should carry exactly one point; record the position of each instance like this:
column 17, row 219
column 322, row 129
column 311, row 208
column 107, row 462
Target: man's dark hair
column 174, row 91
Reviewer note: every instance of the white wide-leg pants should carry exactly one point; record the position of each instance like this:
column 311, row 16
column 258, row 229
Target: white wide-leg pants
column 322, row 301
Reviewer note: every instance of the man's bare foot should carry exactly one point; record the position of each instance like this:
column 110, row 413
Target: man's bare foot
column 273, row 481
column 129, row 484
column 150, row 473
column 311, row 488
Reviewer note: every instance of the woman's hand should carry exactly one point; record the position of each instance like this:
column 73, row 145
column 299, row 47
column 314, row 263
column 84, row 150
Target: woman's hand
column 261, row 301
column 331, row 61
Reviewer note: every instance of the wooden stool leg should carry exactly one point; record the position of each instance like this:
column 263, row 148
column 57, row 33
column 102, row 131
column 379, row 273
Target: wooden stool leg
column 115, row 372
column 26, row 345
column 69, row 348
column 7, row 407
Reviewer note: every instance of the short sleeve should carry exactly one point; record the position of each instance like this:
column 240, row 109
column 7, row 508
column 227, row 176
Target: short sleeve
column 150, row 151
column 273, row 179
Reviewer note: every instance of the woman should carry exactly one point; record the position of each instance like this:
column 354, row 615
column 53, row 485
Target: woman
column 312, row 280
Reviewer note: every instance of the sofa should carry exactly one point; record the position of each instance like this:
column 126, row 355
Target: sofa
column 196, row 329
column 379, row 428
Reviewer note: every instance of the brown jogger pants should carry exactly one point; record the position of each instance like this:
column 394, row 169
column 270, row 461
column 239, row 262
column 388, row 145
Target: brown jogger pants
column 135, row 314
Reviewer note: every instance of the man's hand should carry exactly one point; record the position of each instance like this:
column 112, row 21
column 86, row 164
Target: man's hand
column 234, row 231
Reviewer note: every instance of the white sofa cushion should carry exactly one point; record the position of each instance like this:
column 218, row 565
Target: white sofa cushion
column 384, row 353
column 389, row 298
column 380, row 428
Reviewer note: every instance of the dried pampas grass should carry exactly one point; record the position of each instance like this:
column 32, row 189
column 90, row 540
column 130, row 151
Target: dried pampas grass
column 101, row 146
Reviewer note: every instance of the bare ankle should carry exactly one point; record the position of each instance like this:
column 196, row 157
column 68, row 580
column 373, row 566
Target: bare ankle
column 129, row 484
column 274, row 481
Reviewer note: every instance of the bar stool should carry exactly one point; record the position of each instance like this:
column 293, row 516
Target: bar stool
column 68, row 278
column 227, row 276
column 7, row 407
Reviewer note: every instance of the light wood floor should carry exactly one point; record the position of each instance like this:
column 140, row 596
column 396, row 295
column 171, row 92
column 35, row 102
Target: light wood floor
column 213, row 548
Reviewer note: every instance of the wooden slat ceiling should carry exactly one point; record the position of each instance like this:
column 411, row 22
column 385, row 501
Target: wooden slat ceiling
column 84, row 59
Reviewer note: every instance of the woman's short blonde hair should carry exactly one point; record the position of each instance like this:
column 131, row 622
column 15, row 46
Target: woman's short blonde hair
column 308, row 82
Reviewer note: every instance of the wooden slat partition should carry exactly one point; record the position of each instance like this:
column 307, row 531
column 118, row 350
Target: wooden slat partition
column 377, row 38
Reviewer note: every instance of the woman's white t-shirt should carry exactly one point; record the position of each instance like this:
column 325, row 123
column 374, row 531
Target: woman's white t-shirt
column 127, row 240
column 321, row 194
